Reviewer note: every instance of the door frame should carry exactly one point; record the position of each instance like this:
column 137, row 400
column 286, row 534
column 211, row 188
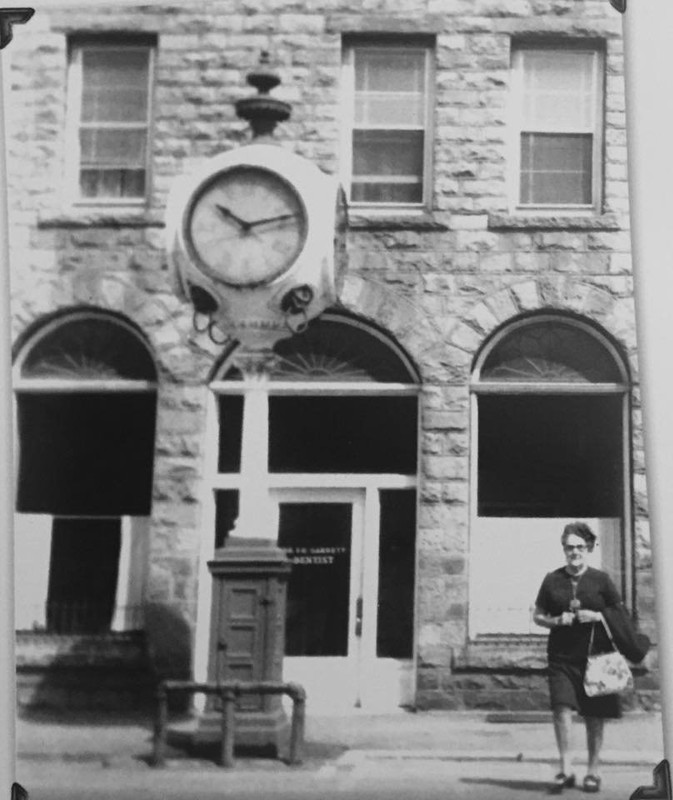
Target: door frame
column 213, row 480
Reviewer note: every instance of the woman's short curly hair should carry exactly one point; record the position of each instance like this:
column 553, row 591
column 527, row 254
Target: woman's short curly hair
column 582, row 530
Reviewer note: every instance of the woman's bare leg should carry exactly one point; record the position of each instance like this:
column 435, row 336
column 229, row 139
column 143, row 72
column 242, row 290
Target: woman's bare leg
column 594, row 727
column 563, row 721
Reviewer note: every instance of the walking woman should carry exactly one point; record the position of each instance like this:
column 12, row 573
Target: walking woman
column 570, row 599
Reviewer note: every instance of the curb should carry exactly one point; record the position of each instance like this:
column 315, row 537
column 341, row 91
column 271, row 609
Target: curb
column 351, row 758
column 620, row 758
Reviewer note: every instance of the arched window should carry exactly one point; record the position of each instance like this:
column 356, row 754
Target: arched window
column 85, row 388
column 550, row 440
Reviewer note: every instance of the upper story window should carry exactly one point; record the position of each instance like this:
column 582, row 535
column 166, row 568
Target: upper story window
column 109, row 107
column 387, row 137
column 558, row 105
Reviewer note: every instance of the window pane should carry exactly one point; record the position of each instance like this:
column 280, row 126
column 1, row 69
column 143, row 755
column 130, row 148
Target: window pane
column 230, row 407
column 389, row 109
column 545, row 351
column 390, row 70
column 343, row 434
column 89, row 347
column 86, row 454
column 559, row 89
column 567, row 458
column 110, row 147
column 114, row 85
column 556, row 168
column 397, row 547
column 226, row 514
column 317, row 539
column 83, row 573
column 394, row 156
column 112, row 183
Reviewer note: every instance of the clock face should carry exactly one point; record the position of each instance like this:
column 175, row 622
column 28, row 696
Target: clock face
column 245, row 226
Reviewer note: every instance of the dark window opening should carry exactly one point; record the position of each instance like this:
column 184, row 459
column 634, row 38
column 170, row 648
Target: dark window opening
column 230, row 408
column 395, row 626
column 86, row 454
column 550, row 456
column 226, row 514
column 343, row 434
column 83, row 575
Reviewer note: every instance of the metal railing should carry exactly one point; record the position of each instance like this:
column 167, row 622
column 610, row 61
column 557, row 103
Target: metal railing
column 229, row 692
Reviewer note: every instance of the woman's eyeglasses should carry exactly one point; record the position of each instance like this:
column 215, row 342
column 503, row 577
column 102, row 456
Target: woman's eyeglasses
column 570, row 547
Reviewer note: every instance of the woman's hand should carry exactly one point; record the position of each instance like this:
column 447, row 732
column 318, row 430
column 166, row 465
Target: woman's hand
column 585, row 615
column 567, row 618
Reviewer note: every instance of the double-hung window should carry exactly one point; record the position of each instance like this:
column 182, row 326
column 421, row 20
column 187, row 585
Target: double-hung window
column 387, row 136
column 110, row 109
column 558, row 100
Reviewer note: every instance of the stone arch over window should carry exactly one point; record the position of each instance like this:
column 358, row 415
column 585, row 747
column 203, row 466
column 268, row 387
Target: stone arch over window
column 551, row 444
column 85, row 387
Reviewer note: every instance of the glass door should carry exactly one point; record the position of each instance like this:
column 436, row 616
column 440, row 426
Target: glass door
column 321, row 531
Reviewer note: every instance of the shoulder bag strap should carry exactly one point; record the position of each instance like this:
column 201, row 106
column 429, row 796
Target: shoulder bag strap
column 607, row 630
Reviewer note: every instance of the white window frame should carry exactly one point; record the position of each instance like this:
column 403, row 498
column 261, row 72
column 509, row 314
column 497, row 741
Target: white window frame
column 348, row 120
column 74, row 123
column 516, row 128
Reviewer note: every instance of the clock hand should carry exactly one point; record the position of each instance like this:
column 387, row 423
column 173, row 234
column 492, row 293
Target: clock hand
column 271, row 219
column 228, row 213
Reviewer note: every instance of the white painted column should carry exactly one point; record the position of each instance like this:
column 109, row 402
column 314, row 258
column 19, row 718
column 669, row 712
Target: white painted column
column 648, row 33
column 255, row 519
column 254, row 516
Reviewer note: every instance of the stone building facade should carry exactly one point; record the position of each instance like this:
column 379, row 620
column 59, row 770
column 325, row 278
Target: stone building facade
column 493, row 331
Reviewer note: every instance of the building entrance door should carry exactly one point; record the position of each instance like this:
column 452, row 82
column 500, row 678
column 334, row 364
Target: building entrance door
column 331, row 641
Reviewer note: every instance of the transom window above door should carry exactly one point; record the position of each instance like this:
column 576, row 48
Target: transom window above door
column 387, row 135
column 337, row 392
column 557, row 103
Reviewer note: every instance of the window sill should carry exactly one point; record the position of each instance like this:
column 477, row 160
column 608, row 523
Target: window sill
column 101, row 217
column 363, row 220
column 560, row 221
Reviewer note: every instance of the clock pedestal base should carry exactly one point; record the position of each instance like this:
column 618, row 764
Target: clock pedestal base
column 259, row 732
column 247, row 641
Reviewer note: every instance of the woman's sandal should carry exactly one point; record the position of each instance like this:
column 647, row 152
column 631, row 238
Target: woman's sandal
column 563, row 781
column 592, row 783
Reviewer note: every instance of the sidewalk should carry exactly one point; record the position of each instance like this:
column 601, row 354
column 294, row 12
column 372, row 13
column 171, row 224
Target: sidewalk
column 636, row 739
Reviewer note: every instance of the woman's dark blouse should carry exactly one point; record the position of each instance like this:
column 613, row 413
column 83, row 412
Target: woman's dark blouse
column 595, row 591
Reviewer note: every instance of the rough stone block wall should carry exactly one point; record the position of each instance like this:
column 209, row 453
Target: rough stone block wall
column 440, row 284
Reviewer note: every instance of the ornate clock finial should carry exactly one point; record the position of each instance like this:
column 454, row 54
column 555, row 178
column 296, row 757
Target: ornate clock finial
column 262, row 111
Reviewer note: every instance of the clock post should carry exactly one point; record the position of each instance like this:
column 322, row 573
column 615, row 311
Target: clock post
column 251, row 238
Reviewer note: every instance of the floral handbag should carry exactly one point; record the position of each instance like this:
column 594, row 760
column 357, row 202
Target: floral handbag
column 606, row 673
